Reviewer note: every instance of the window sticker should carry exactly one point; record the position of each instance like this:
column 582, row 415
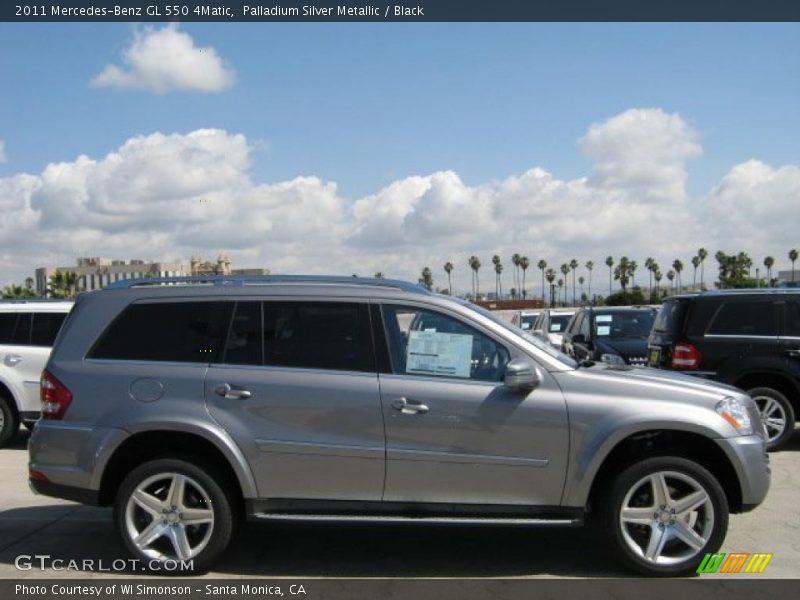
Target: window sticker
column 555, row 326
column 432, row 353
column 603, row 318
column 603, row 329
column 526, row 326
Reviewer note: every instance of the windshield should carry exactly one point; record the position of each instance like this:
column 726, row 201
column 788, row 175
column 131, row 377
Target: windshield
column 526, row 322
column 558, row 323
column 541, row 345
column 623, row 324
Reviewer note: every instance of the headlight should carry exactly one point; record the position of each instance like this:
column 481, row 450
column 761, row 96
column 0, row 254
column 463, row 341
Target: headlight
column 735, row 413
column 613, row 359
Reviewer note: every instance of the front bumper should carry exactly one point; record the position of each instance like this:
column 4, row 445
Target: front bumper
column 748, row 455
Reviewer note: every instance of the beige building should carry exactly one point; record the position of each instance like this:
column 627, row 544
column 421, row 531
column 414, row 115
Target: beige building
column 95, row 273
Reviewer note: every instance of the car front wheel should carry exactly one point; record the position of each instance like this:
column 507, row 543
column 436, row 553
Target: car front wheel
column 8, row 421
column 664, row 514
column 171, row 511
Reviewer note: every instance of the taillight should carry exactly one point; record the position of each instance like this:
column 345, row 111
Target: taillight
column 686, row 356
column 55, row 397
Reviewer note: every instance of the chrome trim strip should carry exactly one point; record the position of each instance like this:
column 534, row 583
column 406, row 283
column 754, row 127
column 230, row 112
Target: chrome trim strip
column 415, row 519
column 320, row 448
column 461, row 458
column 748, row 337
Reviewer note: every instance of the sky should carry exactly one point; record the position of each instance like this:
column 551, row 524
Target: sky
column 356, row 148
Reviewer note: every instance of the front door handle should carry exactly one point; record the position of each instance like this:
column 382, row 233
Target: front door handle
column 409, row 407
column 793, row 352
column 232, row 392
column 12, row 360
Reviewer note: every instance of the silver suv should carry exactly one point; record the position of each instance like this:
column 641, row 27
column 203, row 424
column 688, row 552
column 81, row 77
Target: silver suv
column 188, row 404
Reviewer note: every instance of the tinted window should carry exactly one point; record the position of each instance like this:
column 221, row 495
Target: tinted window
column 45, row 328
column 669, row 317
column 321, row 335
column 244, row 345
column 623, row 324
column 793, row 319
column 526, row 322
column 575, row 323
column 422, row 342
column 585, row 329
column 745, row 318
column 7, row 323
column 22, row 331
column 166, row 331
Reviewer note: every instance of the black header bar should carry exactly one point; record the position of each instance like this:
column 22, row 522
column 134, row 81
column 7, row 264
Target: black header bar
column 399, row 10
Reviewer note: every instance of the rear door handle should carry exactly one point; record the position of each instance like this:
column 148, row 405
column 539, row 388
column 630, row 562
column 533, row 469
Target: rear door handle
column 232, row 392
column 12, row 360
column 794, row 352
column 409, row 407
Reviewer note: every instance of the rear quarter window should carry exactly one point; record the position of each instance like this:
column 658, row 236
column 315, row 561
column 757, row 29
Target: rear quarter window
column 45, row 328
column 743, row 318
column 166, row 331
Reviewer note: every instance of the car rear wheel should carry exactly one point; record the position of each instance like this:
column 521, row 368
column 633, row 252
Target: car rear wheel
column 664, row 514
column 9, row 423
column 171, row 510
column 776, row 413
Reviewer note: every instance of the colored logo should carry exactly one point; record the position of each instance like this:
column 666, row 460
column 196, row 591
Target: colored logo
column 734, row 562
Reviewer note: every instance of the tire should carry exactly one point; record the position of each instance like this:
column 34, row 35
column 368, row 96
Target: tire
column 9, row 422
column 161, row 515
column 639, row 539
column 777, row 414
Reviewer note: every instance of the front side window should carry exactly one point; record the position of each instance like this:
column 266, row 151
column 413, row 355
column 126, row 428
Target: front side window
column 428, row 343
column 745, row 318
column 7, row 323
column 624, row 325
column 22, row 332
column 792, row 319
column 558, row 323
column 166, row 331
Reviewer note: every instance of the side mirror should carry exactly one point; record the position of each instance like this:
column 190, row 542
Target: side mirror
column 578, row 338
column 522, row 375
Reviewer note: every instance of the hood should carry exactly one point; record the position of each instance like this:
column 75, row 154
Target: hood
column 656, row 384
column 628, row 348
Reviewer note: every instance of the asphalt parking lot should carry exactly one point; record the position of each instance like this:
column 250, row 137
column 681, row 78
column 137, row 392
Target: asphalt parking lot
column 37, row 525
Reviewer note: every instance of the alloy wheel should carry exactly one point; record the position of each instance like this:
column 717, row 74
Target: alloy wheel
column 773, row 415
column 666, row 518
column 169, row 516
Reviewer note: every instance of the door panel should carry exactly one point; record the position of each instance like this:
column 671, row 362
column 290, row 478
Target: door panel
column 467, row 438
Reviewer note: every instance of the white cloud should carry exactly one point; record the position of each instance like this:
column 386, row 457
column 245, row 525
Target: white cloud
column 167, row 60
column 2, row 151
column 164, row 196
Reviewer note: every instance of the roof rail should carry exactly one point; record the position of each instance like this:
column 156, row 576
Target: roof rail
column 241, row 280
column 28, row 300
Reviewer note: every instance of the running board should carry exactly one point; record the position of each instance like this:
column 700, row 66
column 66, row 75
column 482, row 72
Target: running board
column 443, row 520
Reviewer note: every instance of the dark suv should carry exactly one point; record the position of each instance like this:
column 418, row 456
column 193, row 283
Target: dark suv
column 747, row 338
column 615, row 335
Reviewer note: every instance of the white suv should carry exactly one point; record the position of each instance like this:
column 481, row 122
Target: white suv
column 27, row 331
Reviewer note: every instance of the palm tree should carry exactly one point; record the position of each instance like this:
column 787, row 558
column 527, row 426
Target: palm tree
column 622, row 272
column 63, row 284
column 573, row 264
column 678, row 266
column 515, row 260
column 701, row 254
column 550, row 275
column 648, row 264
column 379, row 275
column 542, row 265
column 657, row 276
column 695, row 264
column 565, row 271
column 671, row 277
column 581, row 280
column 471, row 263
column 609, row 264
column 495, row 262
column 448, row 268
column 427, row 278
column 590, row 267
column 498, row 269
column 792, row 257
column 560, row 285
column 524, row 263
column 632, row 266
column 476, row 265
column 768, row 262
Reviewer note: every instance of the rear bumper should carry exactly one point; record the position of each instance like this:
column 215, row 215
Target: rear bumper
column 748, row 455
column 65, row 492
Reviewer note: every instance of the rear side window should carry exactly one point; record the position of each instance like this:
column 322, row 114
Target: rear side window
column 166, row 331
column 7, row 323
column 22, row 331
column 792, row 319
column 669, row 317
column 745, row 318
column 45, row 328
column 318, row 335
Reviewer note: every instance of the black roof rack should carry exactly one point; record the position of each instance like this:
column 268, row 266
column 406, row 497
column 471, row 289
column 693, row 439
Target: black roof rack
column 241, row 280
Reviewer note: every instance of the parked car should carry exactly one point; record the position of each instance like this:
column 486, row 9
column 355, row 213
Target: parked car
column 747, row 338
column 27, row 331
column 616, row 335
column 550, row 325
column 185, row 406
column 524, row 319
